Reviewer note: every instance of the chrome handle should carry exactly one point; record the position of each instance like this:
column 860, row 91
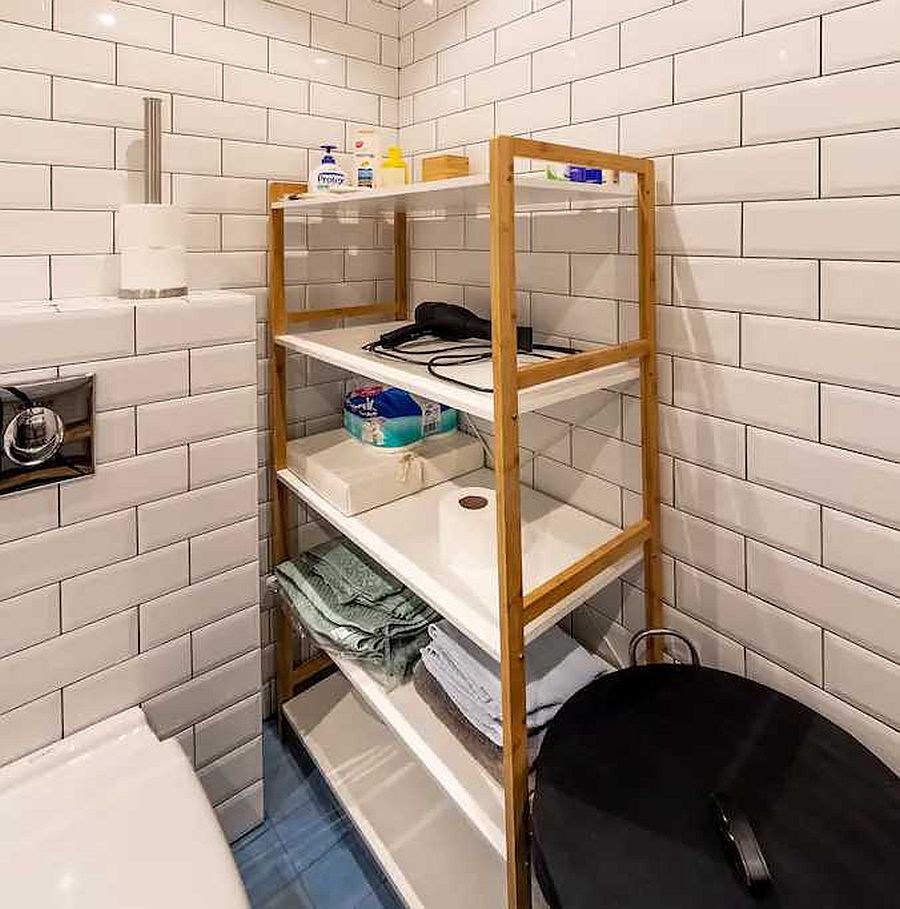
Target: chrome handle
column 33, row 436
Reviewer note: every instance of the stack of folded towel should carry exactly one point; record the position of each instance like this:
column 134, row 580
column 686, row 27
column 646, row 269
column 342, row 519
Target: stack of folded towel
column 352, row 606
column 457, row 671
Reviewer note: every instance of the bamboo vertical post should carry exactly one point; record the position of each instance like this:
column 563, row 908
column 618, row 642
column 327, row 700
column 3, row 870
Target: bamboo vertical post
column 277, row 364
column 278, row 426
column 401, row 268
column 509, row 522
column 650, row 400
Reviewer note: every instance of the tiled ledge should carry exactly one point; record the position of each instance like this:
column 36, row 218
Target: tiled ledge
column 51, row 332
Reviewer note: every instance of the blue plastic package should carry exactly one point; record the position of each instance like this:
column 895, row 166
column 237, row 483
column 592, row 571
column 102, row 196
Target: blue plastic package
column 577, row 174
column 389, row 417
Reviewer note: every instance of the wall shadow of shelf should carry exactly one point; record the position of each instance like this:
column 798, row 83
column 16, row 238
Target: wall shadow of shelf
column 343, row 347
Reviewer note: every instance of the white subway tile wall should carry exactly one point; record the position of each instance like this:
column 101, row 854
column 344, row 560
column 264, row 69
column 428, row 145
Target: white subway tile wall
column 776, row 134
column 114, row 593
column 251, row 89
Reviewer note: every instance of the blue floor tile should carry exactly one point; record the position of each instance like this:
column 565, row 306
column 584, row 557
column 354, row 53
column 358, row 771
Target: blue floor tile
column 306, row 855
column 264, row 865
column 380, row 900
column 339, row 879
column 255, row 843
column 293, row 896
column 287, row 787
column 382, row 897
column 311, row 829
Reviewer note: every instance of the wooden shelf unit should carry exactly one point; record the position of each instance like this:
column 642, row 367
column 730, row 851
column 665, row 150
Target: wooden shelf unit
column 517, row 387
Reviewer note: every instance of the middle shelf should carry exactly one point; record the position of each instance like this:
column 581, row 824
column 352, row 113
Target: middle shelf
column 343, row 347
column 403, row 537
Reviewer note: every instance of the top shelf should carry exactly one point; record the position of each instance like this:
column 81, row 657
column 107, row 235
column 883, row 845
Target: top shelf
column 460, row 195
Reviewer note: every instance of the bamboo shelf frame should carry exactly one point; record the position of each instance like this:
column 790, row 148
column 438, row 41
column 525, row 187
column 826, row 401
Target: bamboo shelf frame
column 516, row 609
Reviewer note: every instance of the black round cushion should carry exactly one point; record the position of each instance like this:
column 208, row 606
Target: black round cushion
column 622, row 815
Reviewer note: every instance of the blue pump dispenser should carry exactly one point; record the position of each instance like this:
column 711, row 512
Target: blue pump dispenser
column 329, row 173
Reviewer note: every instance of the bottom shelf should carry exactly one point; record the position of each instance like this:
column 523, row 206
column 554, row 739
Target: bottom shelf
column 434, row 857
column 476, row 793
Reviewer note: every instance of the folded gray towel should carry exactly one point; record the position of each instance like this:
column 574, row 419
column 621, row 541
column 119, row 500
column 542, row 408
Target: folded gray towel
column 353, row 606
column 556, row 667
column 489, row 755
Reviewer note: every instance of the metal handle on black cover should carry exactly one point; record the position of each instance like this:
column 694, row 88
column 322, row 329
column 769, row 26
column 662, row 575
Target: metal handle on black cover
column 642, row 636
column 741, row 844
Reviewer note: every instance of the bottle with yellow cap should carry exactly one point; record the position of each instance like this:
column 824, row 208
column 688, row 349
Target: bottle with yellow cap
column 394, row 171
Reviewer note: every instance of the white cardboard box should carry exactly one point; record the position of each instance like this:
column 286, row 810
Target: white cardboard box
column 356, row 477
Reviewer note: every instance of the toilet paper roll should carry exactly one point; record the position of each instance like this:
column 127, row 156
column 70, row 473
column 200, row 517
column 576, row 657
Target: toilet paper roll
column 152, row 226
column 152, row 272
column 467, row 528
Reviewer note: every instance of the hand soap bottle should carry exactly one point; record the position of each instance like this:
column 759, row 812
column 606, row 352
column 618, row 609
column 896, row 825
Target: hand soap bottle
column 328, row 174
column 394, row 170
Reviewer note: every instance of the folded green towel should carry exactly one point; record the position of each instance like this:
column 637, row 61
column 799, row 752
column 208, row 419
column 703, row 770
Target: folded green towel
column 351, row 604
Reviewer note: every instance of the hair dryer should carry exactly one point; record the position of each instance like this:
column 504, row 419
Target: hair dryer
column 449, row 323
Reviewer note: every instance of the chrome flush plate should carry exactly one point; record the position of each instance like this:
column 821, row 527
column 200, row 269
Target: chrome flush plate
column 46, row 432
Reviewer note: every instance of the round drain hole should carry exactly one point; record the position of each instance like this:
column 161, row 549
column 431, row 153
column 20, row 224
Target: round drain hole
column 473, row 503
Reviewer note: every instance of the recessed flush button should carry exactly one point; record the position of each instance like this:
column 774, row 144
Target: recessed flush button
column 46, row 432
column 33, row 436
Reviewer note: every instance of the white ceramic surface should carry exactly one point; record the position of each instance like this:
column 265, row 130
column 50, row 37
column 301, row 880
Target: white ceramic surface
column 108, row 818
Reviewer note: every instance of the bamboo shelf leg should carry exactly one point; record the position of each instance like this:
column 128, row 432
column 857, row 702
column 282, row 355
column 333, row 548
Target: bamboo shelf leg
column 277, row 371
column 509, row 523
column 278, row 321
column 277, row 420
column 401, row 268
column 650, row 402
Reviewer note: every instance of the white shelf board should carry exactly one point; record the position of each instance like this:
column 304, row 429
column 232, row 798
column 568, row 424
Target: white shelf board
column 403, row 536
column 460, row 195
column 476, row 793
column 343, row 347
column 432, row 855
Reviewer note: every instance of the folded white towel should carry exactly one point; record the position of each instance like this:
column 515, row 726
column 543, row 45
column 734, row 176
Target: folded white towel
column 556, row 667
